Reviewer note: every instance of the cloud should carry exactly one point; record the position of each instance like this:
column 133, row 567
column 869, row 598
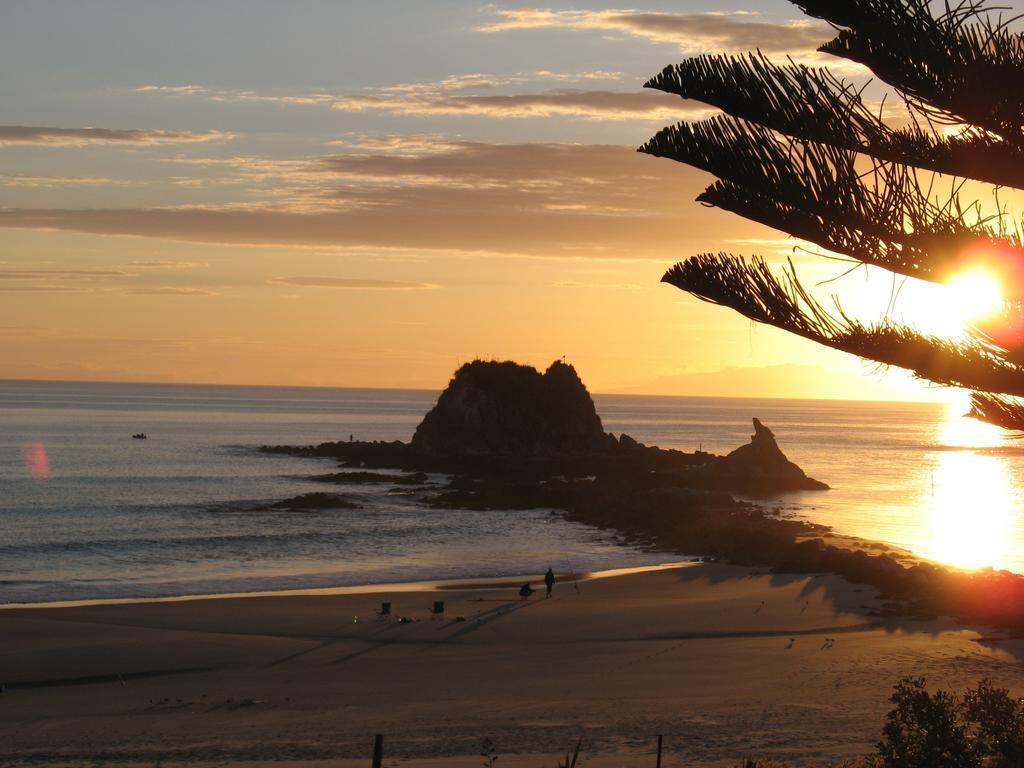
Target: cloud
column 449, row 97
column 351, row 283
column 85, row 281
column 692, row 33
column 601, row 286
column 166, row 264
column 42, row 289
column 77, row 137
column 396, row 144
column 543, row 200
column 177, row 90
column 451, row 84
column 30, row 180
column 481, row 81
column 166, row 290
column 225, row 95
column 603, row 104
column 58, row 274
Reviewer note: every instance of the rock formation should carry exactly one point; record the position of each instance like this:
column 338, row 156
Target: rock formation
column 510, row 423
column 762, row 465
column 506, row 409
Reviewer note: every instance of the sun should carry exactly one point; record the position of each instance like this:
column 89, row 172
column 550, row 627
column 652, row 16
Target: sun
column 975, row 294
column 949, row 309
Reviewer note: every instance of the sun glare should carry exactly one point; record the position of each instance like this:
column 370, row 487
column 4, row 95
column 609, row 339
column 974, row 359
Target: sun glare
column 969, row 511
column 974, row 294
column 960, row 431
column 946, row 309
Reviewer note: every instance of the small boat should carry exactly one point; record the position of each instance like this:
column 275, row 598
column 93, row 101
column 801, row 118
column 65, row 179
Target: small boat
column 139, row 436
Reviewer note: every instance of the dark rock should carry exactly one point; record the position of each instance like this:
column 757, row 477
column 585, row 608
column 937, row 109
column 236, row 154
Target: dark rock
column 309, row 502
column 762, row 466
column 511, row 424
column 506, row 409
column 359, row 478
column 628, row 443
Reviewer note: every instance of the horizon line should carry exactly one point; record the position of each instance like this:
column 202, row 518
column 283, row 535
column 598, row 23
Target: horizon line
column 597, row 393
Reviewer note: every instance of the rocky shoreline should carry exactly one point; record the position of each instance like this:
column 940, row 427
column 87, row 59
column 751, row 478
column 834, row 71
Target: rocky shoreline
column 500, row 444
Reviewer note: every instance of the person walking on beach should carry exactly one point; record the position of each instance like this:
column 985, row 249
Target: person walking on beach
column 549, row 580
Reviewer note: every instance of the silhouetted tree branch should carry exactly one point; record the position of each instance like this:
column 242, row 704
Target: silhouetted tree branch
column 800, row 150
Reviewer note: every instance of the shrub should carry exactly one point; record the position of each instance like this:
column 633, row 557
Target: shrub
column 940, row 730
column 999, row 724
column 925, row 730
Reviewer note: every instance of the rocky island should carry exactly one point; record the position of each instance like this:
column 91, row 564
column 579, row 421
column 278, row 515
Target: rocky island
column 506, row 436
column 502, row 421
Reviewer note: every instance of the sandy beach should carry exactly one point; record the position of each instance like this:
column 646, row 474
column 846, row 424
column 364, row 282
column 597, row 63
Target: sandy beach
column 725, row 662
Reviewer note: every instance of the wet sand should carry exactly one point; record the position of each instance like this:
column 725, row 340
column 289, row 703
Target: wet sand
column 725, row 662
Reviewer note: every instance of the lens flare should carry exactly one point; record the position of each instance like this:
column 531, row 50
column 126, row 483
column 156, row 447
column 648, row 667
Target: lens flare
column 36, row 461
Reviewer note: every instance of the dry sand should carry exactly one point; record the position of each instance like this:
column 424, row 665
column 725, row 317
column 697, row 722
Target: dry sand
column 725, row 662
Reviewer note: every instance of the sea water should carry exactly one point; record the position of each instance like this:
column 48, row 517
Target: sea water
column 87, row 512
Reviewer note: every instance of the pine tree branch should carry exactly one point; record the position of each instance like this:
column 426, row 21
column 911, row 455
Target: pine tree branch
column 901, row 14
column 795, row 100
column 877, row 215
column 842, row 235
column 958, row 67
column 811, row 104
column 1004, row 412
column 750, row 288
column 800, row 151
column 801, row 174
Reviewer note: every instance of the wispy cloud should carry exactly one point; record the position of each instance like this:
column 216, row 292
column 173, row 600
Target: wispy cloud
column 42, row 289
column 349, row 283
column 479, row 94
column 606, row 105
column 167, row 290
column 96, row 281
column 58, row 274
column 166, row 264
column 397, row 144
column 544, row 200
column 426, row 100
column 601, row 286
column 76, row 137
column 482, row 81
column 452, row 84
column 692, row 33
column 177, row 90
column 38, row 181
column 229, row 95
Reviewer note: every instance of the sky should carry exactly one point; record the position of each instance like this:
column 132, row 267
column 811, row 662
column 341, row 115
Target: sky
column 349, row 193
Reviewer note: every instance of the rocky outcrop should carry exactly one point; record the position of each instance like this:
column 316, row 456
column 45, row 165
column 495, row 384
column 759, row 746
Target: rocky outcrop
column 515, row 426
column 506, row 409
column 313, row 502
column 762, row 466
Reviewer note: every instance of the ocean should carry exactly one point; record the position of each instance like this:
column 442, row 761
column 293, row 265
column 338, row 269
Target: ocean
column 86, row 512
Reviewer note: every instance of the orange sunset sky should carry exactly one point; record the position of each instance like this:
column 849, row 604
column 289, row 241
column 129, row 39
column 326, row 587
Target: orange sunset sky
column 368, row 193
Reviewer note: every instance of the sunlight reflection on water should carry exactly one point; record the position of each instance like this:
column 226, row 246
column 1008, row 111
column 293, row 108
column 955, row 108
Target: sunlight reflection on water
column 969, row 513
